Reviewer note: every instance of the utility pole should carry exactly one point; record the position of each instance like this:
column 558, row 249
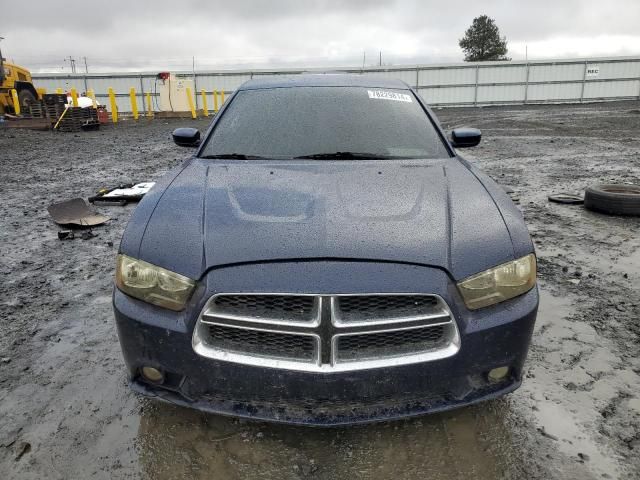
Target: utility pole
column 72, row 62
column 1, row 64
column 195, row 80
column 380, row 57
column 86, row 67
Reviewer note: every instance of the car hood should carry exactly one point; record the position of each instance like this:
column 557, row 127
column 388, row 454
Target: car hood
column 430, row 212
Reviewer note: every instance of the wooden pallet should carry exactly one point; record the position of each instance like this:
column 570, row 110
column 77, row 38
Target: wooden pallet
column 78, row 118
column 35, row 110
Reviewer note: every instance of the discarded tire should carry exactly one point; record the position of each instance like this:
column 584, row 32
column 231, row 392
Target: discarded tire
column 613, row 199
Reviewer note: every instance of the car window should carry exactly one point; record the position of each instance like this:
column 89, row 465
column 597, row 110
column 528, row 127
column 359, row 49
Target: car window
column 306, row 121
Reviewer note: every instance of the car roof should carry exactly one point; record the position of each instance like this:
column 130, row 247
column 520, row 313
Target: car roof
column 322, row 80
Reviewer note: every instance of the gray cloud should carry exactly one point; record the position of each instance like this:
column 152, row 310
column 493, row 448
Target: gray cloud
column 166, row 34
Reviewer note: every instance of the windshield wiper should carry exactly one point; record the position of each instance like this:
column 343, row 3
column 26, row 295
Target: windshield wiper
column 346, row 156
column 233, row 156
column 313, row 156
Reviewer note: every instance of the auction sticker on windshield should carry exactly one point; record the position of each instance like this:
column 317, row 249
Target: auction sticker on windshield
column 385, row 95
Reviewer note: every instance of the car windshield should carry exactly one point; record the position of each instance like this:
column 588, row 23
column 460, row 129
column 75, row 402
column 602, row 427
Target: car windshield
column 345, row 123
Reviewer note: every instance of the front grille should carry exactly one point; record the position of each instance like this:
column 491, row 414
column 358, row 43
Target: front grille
column 292, row 307
column 359, row 308
column 387, row 304
column 389, row 344
column 326, row 332
column 262, row 343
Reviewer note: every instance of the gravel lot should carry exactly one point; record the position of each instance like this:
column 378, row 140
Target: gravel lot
column 66, row 412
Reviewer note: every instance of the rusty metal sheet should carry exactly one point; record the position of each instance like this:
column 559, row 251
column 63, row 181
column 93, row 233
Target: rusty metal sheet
column 75, row 212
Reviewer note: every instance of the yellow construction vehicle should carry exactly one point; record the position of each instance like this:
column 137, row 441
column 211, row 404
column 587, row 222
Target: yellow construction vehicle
column 18, row 78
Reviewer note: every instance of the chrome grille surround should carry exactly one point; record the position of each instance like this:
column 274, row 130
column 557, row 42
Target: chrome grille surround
column 326, row 333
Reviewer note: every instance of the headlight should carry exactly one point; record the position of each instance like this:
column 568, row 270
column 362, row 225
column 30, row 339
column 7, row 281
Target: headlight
column 152, row 284
column 500, row 283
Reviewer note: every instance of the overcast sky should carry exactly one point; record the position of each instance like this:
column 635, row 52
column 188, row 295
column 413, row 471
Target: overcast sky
column 164, row 34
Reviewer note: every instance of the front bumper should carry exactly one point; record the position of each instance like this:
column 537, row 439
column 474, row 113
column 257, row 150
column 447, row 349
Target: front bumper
column 492, row 337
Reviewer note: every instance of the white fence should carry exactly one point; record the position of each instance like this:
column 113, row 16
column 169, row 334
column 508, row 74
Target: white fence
column 481, row 83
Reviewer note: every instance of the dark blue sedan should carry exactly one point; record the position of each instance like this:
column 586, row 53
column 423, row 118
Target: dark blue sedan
column 325, row 257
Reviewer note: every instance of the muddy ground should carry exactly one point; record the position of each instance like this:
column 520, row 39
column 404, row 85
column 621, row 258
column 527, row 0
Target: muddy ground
column 66, row 411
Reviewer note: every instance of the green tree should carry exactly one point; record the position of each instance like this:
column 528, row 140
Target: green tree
column 482, row 41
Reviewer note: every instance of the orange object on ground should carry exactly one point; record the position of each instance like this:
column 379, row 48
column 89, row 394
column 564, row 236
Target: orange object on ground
column 103, row 115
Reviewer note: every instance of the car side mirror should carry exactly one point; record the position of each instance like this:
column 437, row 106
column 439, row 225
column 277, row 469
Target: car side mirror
column 465, row 137
column 186, row 137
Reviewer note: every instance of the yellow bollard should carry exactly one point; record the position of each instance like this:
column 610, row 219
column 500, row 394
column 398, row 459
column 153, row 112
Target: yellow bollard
column 190, row 100
column 215, row 101
column 41, row 92
column 203, row 94
column 16, row 101
column 59, row 91
column 221, row 97
column 74, row 97
column 114, row 106
column 134, row 103
column 92, row 95
column 149, row 106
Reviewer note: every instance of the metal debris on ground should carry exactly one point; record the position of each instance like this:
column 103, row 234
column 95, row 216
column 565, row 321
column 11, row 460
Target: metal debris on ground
column 88, row 235
column 515, row 198
column 566, row 198
column 75, row 212
column 70, row 235
column 66, row 235
column 122, row 194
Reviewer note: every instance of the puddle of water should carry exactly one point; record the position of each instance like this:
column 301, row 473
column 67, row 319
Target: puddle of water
column 627, row 263
column 569, row 417
column 473, row 442
column 572, row 438
column 552, row 311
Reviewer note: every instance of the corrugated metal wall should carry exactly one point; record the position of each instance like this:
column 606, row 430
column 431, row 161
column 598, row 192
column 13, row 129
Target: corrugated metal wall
column 482, row 83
